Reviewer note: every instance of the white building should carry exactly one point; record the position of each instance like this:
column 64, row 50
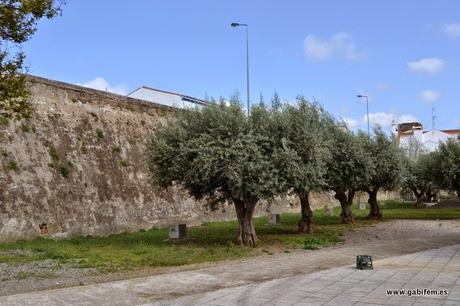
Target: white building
column 411, row 133
column 166, row 98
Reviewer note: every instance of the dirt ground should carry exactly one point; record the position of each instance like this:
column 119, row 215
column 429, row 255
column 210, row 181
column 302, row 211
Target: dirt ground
column 386, row 239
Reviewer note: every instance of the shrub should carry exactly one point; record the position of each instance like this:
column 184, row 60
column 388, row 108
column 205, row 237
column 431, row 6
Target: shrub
column 14, row 165
column 124, row 163
column 99, row 133
column 64, row 171
column 116, row 148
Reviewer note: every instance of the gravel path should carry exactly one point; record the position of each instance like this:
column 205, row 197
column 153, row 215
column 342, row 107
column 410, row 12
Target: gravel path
column 386, row 239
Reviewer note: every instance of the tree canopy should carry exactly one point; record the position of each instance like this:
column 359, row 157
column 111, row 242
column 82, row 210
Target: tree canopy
column 449, row 165
column 18, row 22
column 220, row 154
column 386, row 169
column 347, row 169
column 302, row 132
column 419, row 175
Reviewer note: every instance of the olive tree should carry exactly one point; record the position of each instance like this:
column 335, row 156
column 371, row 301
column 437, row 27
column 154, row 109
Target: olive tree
column 347, row 169
column 304, row 151
column 449, row 165
column 18, row 22
column 386, row 169
column 220, row 154
column 419, row 176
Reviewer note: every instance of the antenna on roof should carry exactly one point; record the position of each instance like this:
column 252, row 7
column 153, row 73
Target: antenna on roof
column 433, row 118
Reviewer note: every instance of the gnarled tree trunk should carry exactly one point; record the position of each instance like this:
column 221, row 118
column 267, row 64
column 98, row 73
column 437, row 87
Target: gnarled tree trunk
column 419, row 197
column 429, row 196
column 345, row 204
column 244, row 212
column 304, row 225
column 375, row 209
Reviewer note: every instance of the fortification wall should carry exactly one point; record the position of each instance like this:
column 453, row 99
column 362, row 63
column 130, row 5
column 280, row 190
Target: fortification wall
column 78, row 167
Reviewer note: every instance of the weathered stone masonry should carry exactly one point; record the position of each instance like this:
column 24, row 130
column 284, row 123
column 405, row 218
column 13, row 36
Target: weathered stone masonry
column 78, row 167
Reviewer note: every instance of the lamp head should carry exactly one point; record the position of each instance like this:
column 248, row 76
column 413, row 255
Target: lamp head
column 234, row 24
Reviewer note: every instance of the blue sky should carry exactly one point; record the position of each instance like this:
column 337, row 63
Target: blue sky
column 404, row 54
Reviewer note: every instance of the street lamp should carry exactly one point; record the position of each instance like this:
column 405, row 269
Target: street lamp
column 234, row 25
column 367, row 106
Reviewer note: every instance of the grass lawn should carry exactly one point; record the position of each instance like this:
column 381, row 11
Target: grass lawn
column 210, row 242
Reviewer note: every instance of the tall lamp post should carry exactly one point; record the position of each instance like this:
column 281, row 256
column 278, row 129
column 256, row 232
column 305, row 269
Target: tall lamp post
column 234, row 25
column 367, row 107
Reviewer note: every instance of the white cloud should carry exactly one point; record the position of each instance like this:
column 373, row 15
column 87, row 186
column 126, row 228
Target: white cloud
column 407, row 118
column 101, row 84
column 387, row 119
column 430, row 65
column 430, row 96
column 452, row 29
column 341, row 44
column 350, row 122
column 382, row 119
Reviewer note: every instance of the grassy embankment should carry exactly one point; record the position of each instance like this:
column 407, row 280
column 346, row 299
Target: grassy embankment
column 209, row 242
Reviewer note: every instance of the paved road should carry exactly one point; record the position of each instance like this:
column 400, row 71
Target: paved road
column 435, row 269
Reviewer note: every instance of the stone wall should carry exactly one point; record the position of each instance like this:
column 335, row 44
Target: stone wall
column 79, row 167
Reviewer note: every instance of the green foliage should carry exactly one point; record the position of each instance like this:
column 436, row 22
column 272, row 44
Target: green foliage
column 116, row 148
column 13, row 165
column 386, row 160
column 18, row 23
column 301, row 143
column 219, row 153
column 26, row 128
column 275, row 101
column 419, row 174
column 124, row 163
column 207, row 243
column 63, row 166
column 395, row 204
column 448, row 174
column 63, row 170
column 350, row 166
column 99, row 133
column 215, row 152
column 150, row 248
column 322, row 240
